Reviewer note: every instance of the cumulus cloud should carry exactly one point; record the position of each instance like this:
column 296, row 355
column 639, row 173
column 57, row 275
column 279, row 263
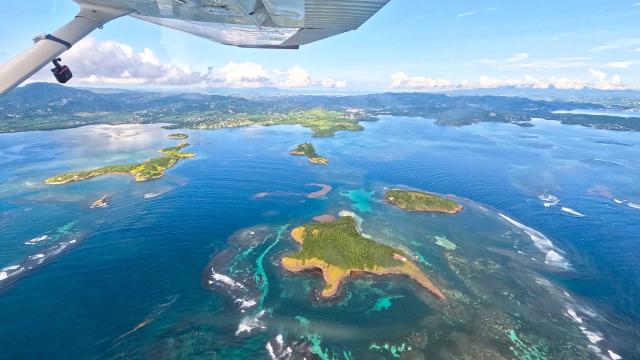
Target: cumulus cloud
column 600, row 75
column 97, row 62
column 601, row 80
column 297, row 77
column 111, row 62
column 245, row 74
column 605, row 81
column 486, row 82
column 402, row 80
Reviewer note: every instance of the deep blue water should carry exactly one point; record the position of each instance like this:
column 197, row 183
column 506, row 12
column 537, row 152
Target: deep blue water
column 142, row 259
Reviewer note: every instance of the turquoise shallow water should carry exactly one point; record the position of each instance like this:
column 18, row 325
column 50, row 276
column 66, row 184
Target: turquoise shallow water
column 361, row 200
column 135, row 279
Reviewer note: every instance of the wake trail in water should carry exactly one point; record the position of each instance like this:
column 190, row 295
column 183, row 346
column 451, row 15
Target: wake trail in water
column 153, row 315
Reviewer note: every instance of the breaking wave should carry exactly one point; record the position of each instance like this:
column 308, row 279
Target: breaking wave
column 31, row 263
column 38, row 239
column 249, row 323
column 593, row 336
column 549, row 200
column 224, row 279
column 553, row 256
column 572, row 211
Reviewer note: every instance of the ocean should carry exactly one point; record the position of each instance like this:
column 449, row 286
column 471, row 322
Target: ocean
column 187, row 266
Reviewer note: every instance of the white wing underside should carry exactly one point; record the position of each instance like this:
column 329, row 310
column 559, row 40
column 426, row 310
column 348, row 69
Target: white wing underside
column 253, row 23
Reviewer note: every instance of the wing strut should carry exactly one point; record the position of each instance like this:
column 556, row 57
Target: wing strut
column 49, row 47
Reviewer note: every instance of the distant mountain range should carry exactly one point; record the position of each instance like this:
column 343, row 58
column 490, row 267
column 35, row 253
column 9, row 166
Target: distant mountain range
column 552, row 93
column 43, row 106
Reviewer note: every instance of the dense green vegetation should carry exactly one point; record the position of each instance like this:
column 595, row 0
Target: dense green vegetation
column 319, row 120
column 178, row 136
column 421, row 201
column 174, row 151
column 306, row 149
column 340, row 244
column 309, row 151
column 83, row 175
column 147, row 170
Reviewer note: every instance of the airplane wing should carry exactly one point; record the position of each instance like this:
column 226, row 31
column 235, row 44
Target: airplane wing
column 260, row 23
column 284, row 24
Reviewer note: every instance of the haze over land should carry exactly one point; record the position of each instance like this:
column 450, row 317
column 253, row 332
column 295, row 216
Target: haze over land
column 48, row 106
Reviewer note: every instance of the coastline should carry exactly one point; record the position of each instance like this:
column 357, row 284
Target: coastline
column 334, row 276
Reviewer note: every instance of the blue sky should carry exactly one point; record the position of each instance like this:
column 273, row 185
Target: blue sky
column 409, row 44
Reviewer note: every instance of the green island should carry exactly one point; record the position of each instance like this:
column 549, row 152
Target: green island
column 421, row 201
column 309, row 151
column 339, row 250
column 178, row 136
column 321, row 121
column 147, row 170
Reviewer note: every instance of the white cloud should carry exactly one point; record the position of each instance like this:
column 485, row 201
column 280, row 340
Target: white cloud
column 618, row 44
column 636, row 4
column 517, row 58
column 401, row 80
column 468, row 13
column 606, row 82
column 296, row 77
column 621, row 64
column 517, row 61
column 111, row 62
column 561, row 63
column 331, row 83
column 600, row 75
column 486, row 82
column 97, row 62
column 245, row 74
